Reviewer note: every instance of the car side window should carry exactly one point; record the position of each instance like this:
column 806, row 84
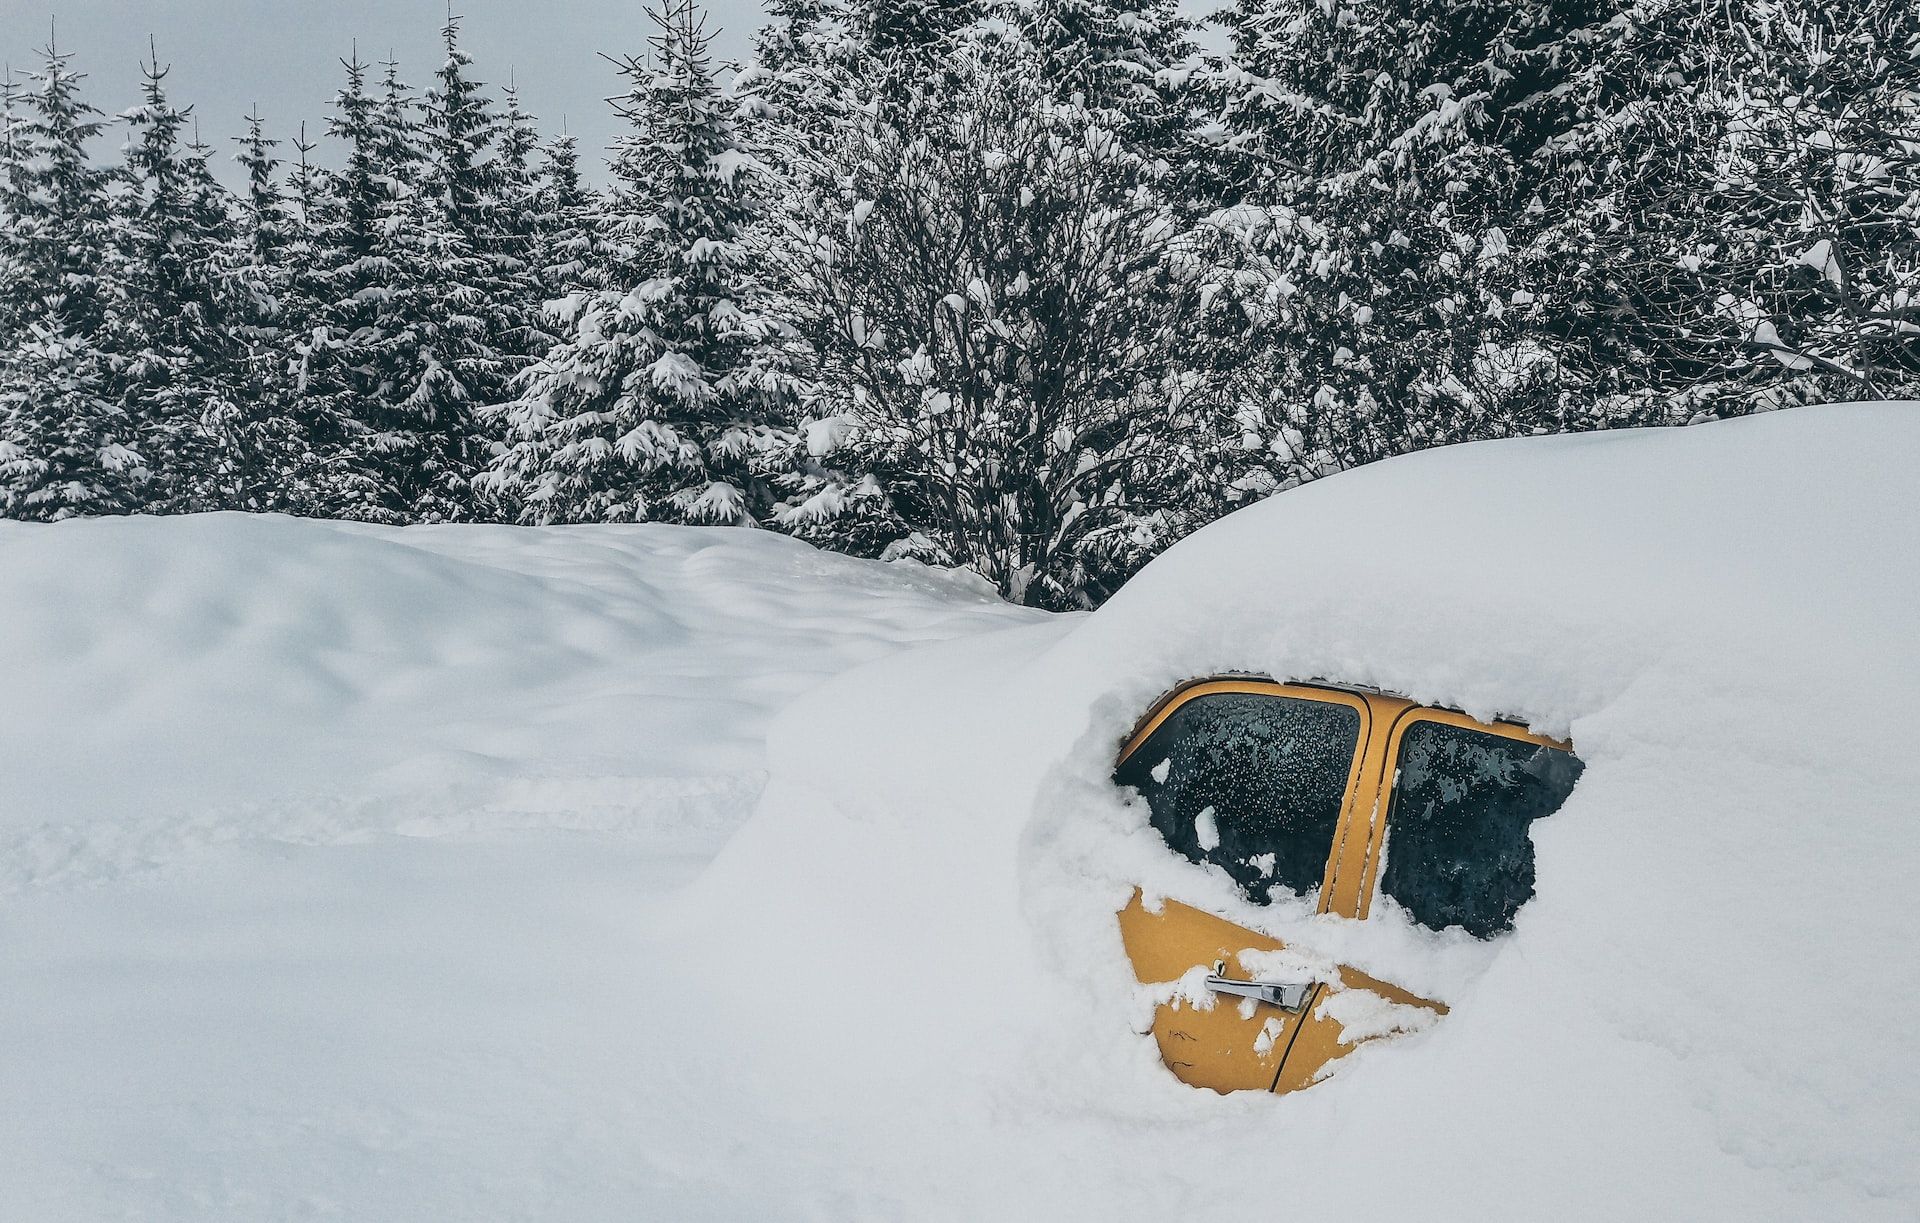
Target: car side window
column 1458, row 851
column 1250, row 782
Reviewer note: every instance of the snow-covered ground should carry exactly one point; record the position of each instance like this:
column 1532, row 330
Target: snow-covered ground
column 329, row 855
column 426, row 874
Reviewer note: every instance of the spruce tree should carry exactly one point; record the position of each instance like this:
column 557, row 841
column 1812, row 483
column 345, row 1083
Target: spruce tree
column 1745, row 220
column 265, row 226
column 573, row 254
column 800, row 78
column 317, row 453
column 666, row 401
column 903, row 46
column 266, row 435
column 462, row 286
column 67, row 444
column 14, row 204
column 383, row 366
column 62, row 227
column 907, row 34
column 515, row 206
column 174, row 338
column 1385, row 158
column 523, row 230
column 420, row 347
column 337, row 360
column 1113, row 56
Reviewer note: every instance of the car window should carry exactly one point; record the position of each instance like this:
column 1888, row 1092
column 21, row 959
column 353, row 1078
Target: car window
column 1458, row 849
column 1250, row 782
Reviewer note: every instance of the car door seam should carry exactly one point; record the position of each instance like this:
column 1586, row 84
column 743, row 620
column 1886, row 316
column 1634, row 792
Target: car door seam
column 1349, row 801
column 1382, row 808
column 1306, row 1012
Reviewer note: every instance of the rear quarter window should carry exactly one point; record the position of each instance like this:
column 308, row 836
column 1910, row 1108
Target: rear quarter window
column 1459, row 850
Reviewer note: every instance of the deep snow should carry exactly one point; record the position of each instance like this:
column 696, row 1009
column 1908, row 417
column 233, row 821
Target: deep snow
column 328, row 853
column 403, row 874
column 1705, row 1013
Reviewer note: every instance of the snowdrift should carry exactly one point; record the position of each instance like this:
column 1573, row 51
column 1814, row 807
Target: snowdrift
column 328, row 853
column 909, row 971
column 235, row 675
column 427, row 873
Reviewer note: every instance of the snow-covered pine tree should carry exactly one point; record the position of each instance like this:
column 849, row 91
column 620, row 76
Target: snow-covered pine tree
column 174, row 338
column 61, row 230
column 399, row 148
column 341, row 214
column 14, row 203
column 1386, row 154
column 802, row 82
column 356, row 196
column 304, row 187
column 465, row 289
column 516, row 180
column 1753, row 227
column 431, row 344
column 171, row 225
column 312, row 447
column 903, row 46
column 909, row 29
column 667, row 399
column 264, row 225
column 1119, row 56
column 266, row 443
column 796, row 33
column 458, row 130
column 520, row 228
column 388, row 365
column 572, row 254
column 1821, row 164
column 213, row 212
column 340, row 358
column 812, row 80
column 67, row 446
column 810, row 76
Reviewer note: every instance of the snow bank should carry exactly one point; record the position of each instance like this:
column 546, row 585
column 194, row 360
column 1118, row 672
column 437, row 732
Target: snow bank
column 363, row 873
column 177, row 681
column 329, row 854
column 1706, row 1012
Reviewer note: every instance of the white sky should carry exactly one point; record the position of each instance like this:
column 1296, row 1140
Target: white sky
column 284, row 54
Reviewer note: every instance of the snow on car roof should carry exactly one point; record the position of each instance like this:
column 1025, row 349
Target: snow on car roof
column 1703, row 1013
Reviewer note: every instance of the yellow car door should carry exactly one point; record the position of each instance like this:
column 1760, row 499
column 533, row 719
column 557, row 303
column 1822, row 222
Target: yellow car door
column 1257, row 778
column 1432, row 810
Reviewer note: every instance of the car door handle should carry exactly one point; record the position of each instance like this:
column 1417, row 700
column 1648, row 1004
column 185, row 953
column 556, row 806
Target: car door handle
column 1289, row 996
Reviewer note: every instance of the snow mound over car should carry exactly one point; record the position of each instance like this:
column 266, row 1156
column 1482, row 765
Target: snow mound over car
column 906, row 966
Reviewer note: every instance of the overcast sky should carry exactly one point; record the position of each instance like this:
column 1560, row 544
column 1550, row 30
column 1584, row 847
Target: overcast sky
column 284, row 54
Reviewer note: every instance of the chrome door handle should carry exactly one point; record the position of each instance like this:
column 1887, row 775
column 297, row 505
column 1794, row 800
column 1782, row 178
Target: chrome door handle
column 1290, row 996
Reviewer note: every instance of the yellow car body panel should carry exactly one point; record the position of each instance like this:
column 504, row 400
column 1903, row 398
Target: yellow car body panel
column 1224, row 1043
column 1228, row 1044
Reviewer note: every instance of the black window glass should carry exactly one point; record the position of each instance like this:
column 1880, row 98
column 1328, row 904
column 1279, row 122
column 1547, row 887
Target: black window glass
column 1458, row 849
column 1250, row 783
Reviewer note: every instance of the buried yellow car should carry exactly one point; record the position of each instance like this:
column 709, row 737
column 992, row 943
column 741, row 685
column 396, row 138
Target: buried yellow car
column 1336, row 794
